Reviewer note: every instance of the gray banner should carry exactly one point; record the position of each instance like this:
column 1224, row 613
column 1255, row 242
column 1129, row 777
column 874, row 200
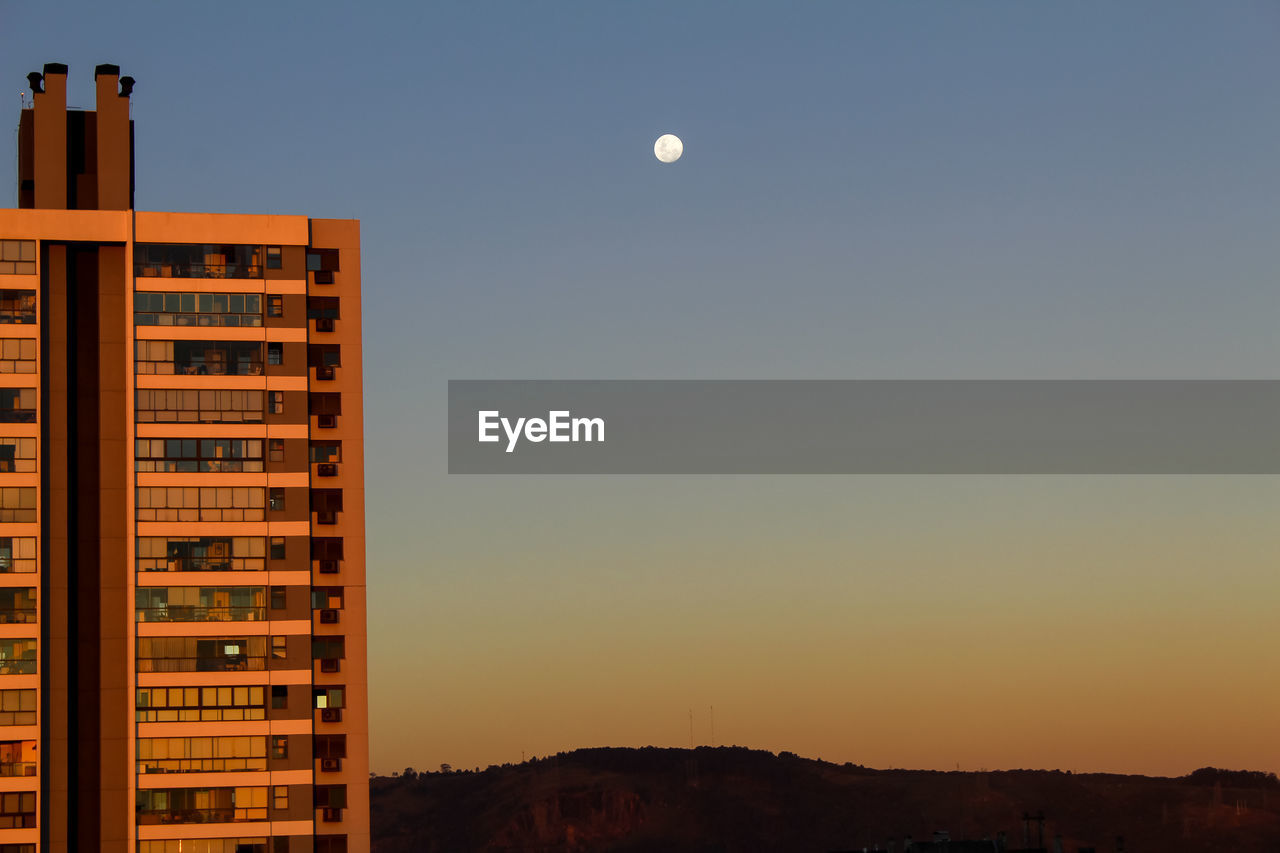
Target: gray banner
column 864, row 427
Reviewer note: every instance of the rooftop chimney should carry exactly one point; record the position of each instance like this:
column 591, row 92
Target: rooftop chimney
column 78, row 159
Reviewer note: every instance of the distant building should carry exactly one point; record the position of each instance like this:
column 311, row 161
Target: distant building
column 182, row 579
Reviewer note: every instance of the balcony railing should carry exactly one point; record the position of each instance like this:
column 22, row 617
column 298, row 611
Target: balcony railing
column 195, row 270
column 201, row 765
column 201, row 613
column 236, row 663
column 18, row 768
column 227, row 815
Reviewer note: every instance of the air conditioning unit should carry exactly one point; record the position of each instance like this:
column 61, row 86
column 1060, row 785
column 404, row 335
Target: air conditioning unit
column 332, row 815
column 324, row 276
column 324, row 324
column 330, row 665
column 324, row 372
column 326, row 421
column 328, row 617
column 330, row 715
column 328, row 567
column 327, row 469
column 330, row 765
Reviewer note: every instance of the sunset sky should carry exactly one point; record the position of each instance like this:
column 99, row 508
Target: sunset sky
column 941, row 190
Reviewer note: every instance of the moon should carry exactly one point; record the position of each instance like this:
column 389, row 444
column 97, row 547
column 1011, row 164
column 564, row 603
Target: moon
column 668, row 148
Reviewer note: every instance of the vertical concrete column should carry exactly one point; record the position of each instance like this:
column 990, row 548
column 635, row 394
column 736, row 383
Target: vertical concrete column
column 51, row 139
column 55, row 635
column 114, row 142
column 115, row 610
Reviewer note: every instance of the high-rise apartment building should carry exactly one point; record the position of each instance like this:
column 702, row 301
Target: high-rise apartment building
column 182, row 593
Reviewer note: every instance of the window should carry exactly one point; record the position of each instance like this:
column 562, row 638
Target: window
column 17, row 605
column 324, row 355
column 200, row 805
column 18, row 355
column 208, row 845
column 275, row 258
column 278, row 598
column 275, row 305
column 275, row 352
column 279, row 647
column 17, row 306
column 277, row 547
column 215, row 754
column 17, row 657
column 190, row 455
column 17, row 707
column 326, row 503
column 328, row 648
column 279, row 696
column 17, row 809
column 275, row 450
column 197, row 309
column 204, row 406
column 322, row 260
column 326, row 548
column 331, row 796
column 178, row 503
column 17, row 257
column 196, row 260
column 277, row 402
column 200, row 704
column 280, row 797
column 17, row 554
column 201, row 604
column 17, row 405
column 329, row 697
column 326, row 598
column 275, row 499
column 201, row 553
column 331, row 746
column 215, row 358
column 324, row 403
column 18, row 503
column 326, row 451
column 202, row 654
column 331, row 844
column 279, row 746
column 17, row 455
column 322, row 307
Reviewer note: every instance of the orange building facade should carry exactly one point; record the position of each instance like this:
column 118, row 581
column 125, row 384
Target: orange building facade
column 182, row 579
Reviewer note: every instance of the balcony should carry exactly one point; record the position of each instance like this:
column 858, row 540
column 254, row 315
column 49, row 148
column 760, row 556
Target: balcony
column 226, row 815
column 234, row 663
column 197, row 270
column 201, row 613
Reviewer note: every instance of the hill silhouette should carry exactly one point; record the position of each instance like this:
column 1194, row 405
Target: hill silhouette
column 730, row 799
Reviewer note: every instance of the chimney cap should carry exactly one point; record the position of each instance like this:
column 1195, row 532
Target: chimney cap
column 111, row 70
column 55, row 68
column 126, row 86
column 35, row 80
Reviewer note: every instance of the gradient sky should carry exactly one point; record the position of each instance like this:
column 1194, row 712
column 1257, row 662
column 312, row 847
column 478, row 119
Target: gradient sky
column 869, row 190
